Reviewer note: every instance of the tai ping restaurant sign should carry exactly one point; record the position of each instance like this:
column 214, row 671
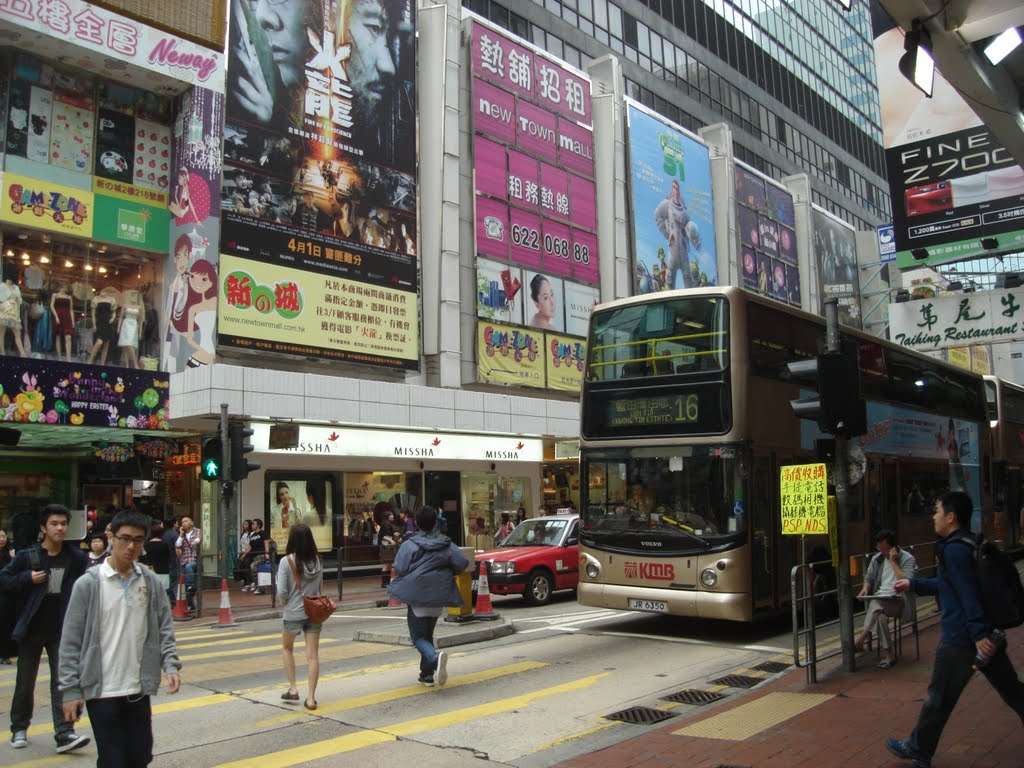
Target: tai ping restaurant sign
column 957, row 321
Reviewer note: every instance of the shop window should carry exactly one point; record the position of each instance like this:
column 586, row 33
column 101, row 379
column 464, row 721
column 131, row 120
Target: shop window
column 369, row 498
column 302, row 497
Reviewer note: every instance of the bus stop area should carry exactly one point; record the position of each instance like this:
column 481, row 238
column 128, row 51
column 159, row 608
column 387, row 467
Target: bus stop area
column 842, row 720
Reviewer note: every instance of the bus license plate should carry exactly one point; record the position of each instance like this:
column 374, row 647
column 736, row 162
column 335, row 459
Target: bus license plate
column 657, row 606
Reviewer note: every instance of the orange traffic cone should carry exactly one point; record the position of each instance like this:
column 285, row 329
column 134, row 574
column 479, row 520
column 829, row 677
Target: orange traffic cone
column 225, row 619
column 181, row 611
column 483, row 610
column 393, row 602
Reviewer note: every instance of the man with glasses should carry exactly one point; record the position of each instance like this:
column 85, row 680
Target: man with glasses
column 118, row 638
column 42, row 577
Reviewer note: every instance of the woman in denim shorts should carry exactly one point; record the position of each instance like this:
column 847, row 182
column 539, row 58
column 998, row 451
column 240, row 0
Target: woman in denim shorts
column 300, row 553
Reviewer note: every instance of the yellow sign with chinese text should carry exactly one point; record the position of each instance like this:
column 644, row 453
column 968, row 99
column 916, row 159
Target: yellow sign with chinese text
column 981, row 359
column 959, row 356
column 803, row 491
column 506, row 354
column 565, row 357
column 292, row 311
column 44, row 205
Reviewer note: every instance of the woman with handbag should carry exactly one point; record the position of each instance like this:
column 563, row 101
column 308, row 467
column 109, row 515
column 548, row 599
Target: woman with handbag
column 300, row 577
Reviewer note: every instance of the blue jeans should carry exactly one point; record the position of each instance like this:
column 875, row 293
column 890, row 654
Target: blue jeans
column 123, row 727
column 950, row 675
column 190, row 584
column 421, row 630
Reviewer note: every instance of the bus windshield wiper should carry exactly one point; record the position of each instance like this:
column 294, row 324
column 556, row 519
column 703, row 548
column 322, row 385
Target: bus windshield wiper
column 683, row 528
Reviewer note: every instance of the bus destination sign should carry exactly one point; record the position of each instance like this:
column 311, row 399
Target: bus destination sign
column 697, row 408
column 654, row 411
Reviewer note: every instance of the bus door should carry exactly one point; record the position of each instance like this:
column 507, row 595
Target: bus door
column 773, row 555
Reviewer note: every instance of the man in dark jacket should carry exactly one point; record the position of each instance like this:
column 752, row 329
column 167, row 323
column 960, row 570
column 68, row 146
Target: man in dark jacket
column 425, row 571
column 41, row 578
column 965, row 634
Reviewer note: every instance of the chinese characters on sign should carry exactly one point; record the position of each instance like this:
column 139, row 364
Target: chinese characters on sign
column 803, row 491
column 958, row 321
column 536, row 211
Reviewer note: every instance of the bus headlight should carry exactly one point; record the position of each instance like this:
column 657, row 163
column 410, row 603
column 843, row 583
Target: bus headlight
column 590, row 566
column 708, row 577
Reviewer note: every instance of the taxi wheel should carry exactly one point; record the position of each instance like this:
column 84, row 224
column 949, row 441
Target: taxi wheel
column 539, row 587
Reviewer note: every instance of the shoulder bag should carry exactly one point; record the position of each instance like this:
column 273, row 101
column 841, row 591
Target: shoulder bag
column 319, row 607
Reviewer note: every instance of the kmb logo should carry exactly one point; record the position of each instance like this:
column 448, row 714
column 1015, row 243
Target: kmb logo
column 657, row 571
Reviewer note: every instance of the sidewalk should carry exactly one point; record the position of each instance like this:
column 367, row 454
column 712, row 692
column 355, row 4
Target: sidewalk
column 843, row 720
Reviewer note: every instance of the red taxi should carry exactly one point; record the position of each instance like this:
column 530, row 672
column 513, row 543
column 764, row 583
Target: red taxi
column 538, row 558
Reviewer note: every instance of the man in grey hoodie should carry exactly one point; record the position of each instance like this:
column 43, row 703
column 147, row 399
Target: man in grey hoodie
column 425, row 571
column 118, row 637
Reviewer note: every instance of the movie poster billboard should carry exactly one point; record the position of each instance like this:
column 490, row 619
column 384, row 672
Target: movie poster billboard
column 535, row 201
column 320, row 145
column 766, row 222
column 952, row 182
column 835, row 249
column 672, row 205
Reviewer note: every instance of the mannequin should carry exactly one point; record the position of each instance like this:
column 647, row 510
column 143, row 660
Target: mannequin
column 10, row 316
column 63, row 321
column 104, row 320
column 129, row 328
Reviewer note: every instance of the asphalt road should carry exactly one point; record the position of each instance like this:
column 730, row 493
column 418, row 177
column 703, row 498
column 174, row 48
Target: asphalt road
column 530, row 698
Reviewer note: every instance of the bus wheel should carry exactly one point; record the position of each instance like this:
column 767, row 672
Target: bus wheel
column 539, row 587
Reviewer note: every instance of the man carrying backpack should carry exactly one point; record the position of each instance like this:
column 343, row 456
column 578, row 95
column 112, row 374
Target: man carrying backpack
column 966, row 633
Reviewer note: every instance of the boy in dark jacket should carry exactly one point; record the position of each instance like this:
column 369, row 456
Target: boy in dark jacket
column 425, row 571
column 41, row 577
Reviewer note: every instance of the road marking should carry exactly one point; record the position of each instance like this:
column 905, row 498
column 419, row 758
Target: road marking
column 235, row 641
column 245, row 651
column 415, row 662
column 329, row 747
column 183, row 638
column 181, row 705
column 695, row 641
column 401, row 693
column 578, row 735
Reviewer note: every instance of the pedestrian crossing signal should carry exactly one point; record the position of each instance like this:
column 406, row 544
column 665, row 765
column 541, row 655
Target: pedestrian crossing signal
column 210, row 467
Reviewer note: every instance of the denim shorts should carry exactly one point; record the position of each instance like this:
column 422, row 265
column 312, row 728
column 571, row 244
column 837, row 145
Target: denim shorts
column 303, row 625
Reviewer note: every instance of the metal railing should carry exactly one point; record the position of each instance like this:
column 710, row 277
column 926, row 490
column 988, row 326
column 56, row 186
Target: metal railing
column 807, row 597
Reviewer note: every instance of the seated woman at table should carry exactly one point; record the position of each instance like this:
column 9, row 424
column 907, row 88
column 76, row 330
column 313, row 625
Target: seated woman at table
column 888, row 565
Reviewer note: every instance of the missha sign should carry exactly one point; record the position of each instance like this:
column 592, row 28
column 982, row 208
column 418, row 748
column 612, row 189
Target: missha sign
column 958, row 321
column 336, row 441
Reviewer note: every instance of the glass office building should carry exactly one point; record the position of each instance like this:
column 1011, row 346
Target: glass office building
column 795, row 80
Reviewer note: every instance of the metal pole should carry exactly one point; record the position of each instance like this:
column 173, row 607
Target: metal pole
column 224, row 496
column 845, row 592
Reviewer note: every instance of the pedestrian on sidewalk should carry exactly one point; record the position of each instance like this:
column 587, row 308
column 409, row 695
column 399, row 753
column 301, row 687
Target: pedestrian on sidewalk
column 387, row 547
column 41, row 578
column 300, row 574
column 118, row 638
column 887, row 566
column 190, row 541
column 965, row 634
column 171, row 526
column 425, row 571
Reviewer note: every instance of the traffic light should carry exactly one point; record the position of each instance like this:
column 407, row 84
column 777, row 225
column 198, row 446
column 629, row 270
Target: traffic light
column 240, row 466
column 838, row 408
column 210, row 466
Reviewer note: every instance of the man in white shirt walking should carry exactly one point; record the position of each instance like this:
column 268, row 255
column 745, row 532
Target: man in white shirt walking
column 118, row 637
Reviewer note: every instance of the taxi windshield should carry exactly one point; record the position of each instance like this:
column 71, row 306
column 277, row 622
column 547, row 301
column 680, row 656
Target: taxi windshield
column 536, row 533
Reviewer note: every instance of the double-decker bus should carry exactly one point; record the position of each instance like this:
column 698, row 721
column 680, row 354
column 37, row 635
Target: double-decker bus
column 1006, row 422
column 685, row 422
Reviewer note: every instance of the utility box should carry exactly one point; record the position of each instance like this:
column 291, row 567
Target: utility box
column 464, row 583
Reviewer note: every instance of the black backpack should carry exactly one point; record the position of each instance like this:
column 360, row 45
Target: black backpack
column 999, row 584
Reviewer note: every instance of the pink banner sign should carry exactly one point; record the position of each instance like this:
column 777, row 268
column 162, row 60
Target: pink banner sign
column 494, row 111
column 582, row 194
column 492, row 228
column 536, row 131
column 575, row 147
column 490, row 167
column 584, row 256
column 523, row 180
column 526, row 237
column 554, row 192
column 557, row 247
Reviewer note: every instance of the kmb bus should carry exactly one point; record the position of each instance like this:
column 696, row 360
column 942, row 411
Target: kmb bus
column 685, row 422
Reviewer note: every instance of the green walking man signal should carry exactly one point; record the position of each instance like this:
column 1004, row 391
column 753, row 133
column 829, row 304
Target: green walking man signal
column 210, row 466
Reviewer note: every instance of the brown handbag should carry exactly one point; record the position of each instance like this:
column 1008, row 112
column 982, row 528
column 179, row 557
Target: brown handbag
column 319, row 607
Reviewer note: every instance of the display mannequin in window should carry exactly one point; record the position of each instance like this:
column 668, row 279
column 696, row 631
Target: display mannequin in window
column 104, row 320
column 129, row 327
column 63, row 321
column 10, row 316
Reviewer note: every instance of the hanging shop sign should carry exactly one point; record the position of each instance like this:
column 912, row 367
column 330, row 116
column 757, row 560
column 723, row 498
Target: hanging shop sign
column 509, row 355
column 43, row 205
column 337, row 441
column 131, row 224
column 959, row 320
column 59, row 393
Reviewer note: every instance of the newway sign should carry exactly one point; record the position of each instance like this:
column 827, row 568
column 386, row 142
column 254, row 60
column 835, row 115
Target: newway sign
column 328, row 441
column 958, row 321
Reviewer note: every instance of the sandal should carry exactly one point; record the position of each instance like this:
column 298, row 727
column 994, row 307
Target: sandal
column 289, row 696
column 885, row 663
column 309, row 706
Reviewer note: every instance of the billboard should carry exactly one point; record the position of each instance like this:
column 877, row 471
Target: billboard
column 958, row 320
column 320, row 160
column 535, row 208
column 952, row 183
column 672, row 205
column 766, row 223
column 835, row 249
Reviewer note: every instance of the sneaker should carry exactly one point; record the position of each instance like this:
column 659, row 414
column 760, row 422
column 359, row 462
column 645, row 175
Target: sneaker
column 441, row 672
column 903, row 751
column 19, row 740
column 427, row 680
column 68, row 742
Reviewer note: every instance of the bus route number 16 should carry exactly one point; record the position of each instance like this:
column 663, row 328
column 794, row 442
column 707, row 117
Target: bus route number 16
column 687, row 408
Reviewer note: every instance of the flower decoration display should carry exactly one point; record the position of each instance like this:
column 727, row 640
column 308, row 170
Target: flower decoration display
column 113, row 453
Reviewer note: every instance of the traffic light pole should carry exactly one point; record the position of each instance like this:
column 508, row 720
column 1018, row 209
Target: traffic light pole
column 842, row 482
column 224, row 497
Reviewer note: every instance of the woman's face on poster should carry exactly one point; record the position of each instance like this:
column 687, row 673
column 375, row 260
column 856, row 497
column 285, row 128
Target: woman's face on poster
column 283, row 496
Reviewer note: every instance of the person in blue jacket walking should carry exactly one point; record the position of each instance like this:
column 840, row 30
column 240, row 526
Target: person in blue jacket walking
column 425, row 571
column 965, row 634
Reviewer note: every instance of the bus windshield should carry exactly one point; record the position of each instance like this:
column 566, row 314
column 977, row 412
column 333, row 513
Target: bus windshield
column 682, row 497
column 675, row 336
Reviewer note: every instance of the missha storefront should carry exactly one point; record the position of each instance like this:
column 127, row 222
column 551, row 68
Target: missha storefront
column 343, row 481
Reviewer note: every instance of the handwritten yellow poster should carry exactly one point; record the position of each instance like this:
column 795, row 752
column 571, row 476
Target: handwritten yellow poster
column 981, row 359
column 959, row 356
column 804, row 499
column 565, row 357
column 509, row 355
